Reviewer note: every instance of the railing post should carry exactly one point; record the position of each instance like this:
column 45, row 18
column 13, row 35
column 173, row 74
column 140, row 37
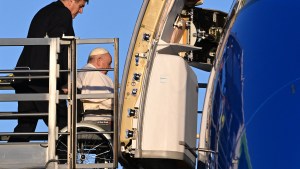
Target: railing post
column 116, row 101
column 74, row 105
column 54, row 50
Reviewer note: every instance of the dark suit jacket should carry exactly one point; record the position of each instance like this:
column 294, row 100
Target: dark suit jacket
column 53, row 20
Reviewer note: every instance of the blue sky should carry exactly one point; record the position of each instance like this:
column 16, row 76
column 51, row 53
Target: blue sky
column 100, row 19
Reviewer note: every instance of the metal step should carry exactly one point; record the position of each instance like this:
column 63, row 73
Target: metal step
column 23, row 155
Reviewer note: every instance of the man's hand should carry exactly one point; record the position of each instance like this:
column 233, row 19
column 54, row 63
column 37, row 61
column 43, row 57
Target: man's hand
column 65, row 89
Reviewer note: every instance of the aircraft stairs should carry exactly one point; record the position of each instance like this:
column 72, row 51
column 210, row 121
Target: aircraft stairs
column 90, row 146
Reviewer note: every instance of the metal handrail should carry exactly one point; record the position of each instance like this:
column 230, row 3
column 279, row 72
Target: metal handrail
column 46, row 133
column 25, row 41
column 14, row 115
column 23, row 77
column 22, row 134
column 45, row 97
column 47, row 71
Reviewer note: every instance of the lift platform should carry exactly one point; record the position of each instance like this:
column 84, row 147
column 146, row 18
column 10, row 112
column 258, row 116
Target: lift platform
column 90, row 146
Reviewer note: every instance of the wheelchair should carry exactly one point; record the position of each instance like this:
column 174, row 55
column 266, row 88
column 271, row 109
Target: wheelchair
column 92, row 146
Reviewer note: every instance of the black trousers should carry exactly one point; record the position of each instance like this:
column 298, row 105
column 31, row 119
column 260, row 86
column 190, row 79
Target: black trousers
column 28, row 124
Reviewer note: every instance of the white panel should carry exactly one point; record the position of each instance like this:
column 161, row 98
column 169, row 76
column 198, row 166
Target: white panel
column 170, row 113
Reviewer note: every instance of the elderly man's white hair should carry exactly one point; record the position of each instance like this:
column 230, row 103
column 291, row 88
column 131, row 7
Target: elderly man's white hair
column 95, row 52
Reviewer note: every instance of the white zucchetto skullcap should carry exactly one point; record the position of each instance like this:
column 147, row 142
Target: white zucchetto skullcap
column 98, row 51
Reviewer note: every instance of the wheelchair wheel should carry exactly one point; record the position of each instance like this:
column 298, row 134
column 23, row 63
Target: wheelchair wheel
column 91, row 147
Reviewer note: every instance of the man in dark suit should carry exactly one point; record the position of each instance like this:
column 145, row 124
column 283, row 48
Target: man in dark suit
column 53, row 20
